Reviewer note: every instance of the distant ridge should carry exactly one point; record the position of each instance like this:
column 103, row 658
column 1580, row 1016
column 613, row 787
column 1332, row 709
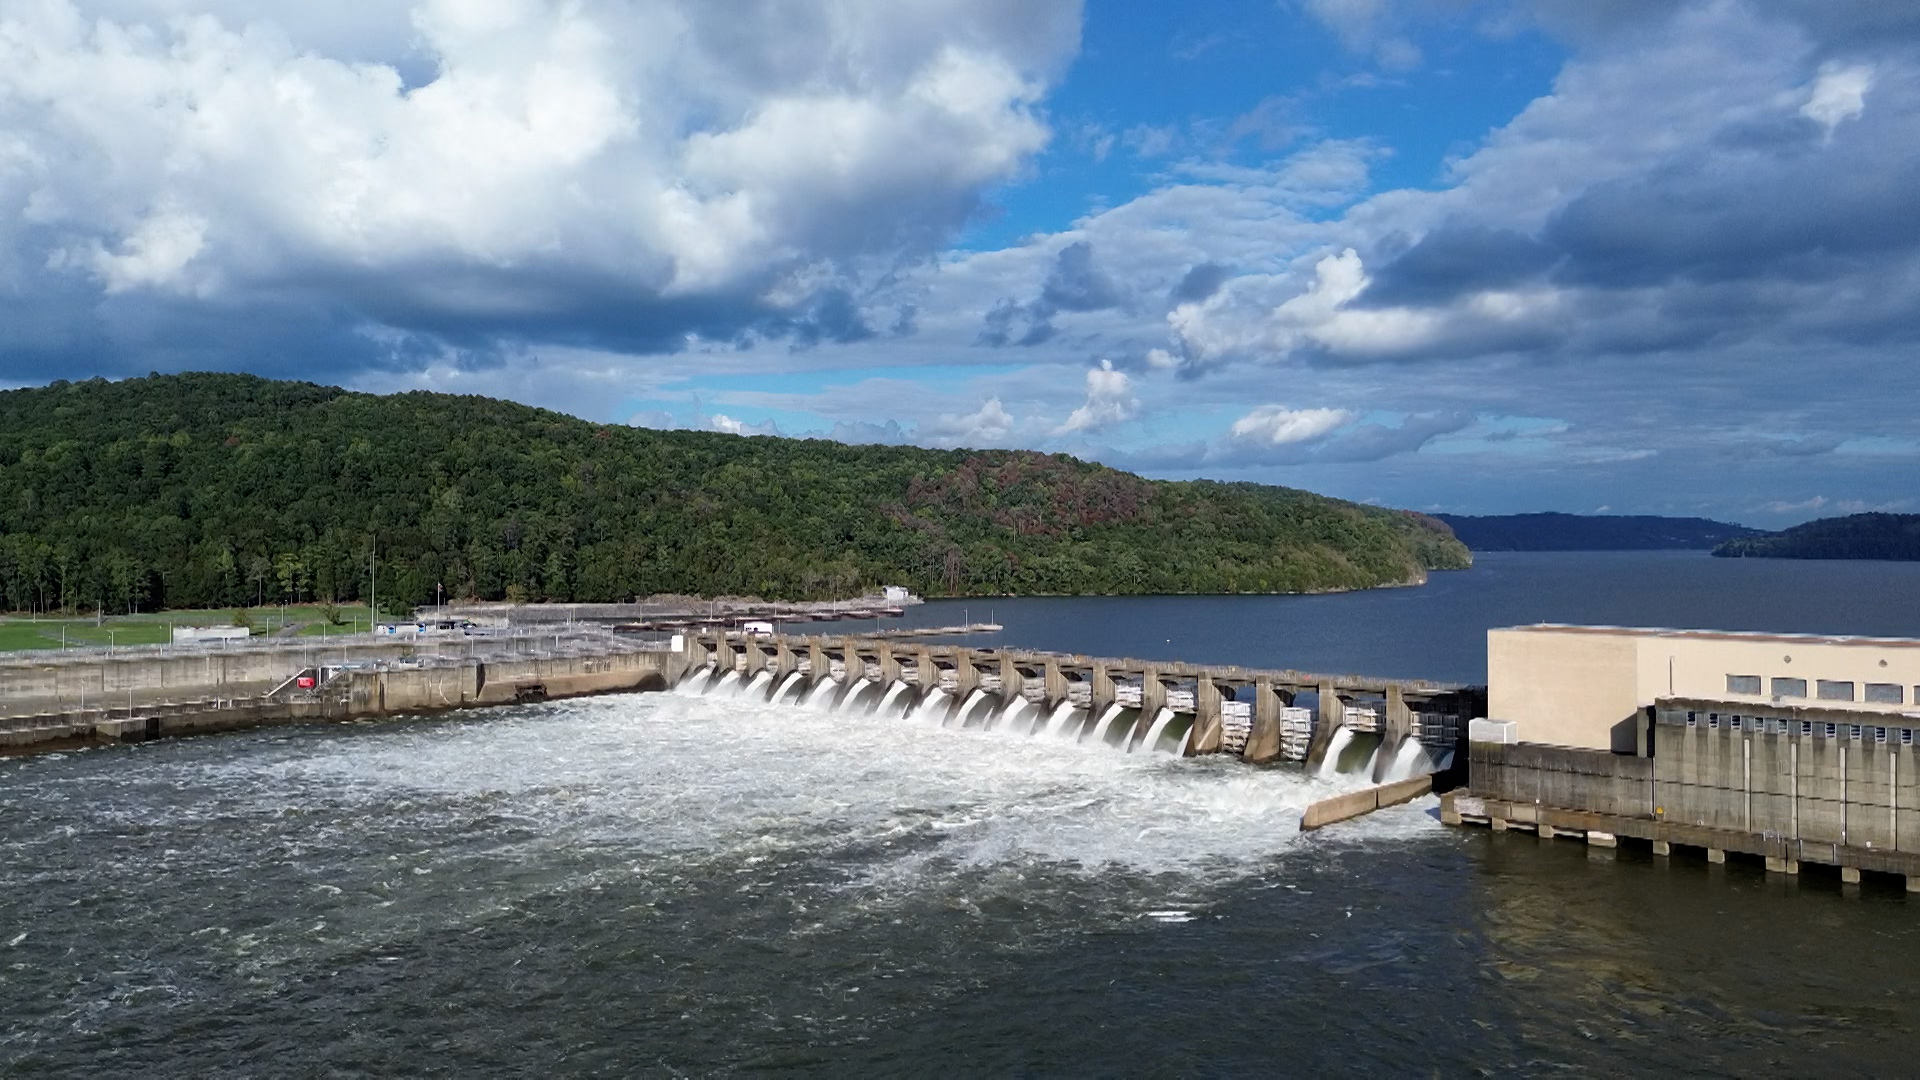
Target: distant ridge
column 1893, row 537
column 1591, row 532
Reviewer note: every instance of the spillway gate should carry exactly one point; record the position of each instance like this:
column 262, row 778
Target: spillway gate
column 1249, row 712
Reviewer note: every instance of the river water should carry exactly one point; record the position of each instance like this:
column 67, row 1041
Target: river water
column 664, row 884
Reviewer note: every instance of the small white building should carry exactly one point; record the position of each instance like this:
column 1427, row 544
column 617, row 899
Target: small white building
column 896, row 594
column 758, row 629
column 186, row 635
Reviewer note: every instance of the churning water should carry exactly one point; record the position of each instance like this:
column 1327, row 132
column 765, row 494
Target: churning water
column 655, row 880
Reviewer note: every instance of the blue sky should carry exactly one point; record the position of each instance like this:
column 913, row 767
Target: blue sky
column 1465, row 255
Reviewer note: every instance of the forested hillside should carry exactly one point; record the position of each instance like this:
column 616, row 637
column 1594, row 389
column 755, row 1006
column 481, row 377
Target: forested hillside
column 203, row 489
column 1858, row 536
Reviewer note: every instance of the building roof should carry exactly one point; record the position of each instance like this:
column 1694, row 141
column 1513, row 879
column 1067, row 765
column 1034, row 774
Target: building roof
column 1720, row 635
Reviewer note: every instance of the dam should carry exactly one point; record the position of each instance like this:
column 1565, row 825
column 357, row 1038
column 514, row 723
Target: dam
column 1387, row 729
column 1372, row 728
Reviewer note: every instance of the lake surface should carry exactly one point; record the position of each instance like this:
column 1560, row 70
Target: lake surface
column 667, row 884
column 1439, row 630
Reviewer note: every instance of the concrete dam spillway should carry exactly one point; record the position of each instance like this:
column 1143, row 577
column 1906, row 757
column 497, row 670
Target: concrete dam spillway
column 1372, row 729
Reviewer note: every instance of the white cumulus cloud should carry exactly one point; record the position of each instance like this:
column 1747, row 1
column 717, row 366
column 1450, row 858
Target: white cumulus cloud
column 1839, row 94
column 987, row 426
column 1277, row 425
column 1110, row 400
column 566, row 160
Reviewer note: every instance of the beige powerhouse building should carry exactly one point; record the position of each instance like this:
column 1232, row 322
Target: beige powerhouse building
column 1595, row 686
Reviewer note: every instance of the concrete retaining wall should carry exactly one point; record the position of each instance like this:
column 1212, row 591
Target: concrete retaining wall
column 1346, row 807
column 1785, row 791
column 356, row 694
column 1595, row 780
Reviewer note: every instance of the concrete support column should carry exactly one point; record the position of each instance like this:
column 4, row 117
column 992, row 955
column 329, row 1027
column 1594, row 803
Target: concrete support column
column 1153, row 698
column 817, row 666
column 966, row 676
column 1102, row 689
column 856, row 667
column 889, row 667
column 756, row 656
column 1056, row 684
column 784, row 661
column 1263, row 742
column 1011, row 681
column 1153, row 694
column 1395, row 727
column 723, row 652
column 1332, row 716
column 1661, row 847
column 924, row 669
column 1206, row 719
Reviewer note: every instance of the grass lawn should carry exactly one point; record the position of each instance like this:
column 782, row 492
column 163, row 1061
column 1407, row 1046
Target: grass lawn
column 155, row 628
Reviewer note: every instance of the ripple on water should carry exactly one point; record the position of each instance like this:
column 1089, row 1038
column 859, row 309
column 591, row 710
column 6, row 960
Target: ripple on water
column 725, row 863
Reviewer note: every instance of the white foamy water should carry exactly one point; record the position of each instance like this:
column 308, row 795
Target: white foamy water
column 669, row 773
column 341, row 838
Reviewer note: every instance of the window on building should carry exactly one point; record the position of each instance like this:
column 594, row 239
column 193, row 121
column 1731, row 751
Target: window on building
column 1806, row 727
column 1693, row 719
column 1886, row 693
column 1743, row 684
column 1734, row 723
column 1713, row 720
column 1830, row 690
column 1829, row 730
column 1853, row 732
column 1789, row 688
column 1879, row 734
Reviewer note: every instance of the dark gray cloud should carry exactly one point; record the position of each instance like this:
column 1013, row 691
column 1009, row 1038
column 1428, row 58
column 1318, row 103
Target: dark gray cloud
column 1200, row 282
column 1075, row 284
column 1456, row 259
column 1799, row 216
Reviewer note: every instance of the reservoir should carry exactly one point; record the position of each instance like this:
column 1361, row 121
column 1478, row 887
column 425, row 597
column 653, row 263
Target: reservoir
column 667, row 884
column 1438, row 630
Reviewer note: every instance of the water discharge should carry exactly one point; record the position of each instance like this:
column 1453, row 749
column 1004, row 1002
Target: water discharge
column 1336, row 749
column 890, row 706
column 1410, row 760
column 1152, row 739
column 793, row 684
column 1105, row 725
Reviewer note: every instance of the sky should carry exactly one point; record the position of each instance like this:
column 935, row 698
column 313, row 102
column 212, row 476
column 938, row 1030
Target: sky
column 1475, row 256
